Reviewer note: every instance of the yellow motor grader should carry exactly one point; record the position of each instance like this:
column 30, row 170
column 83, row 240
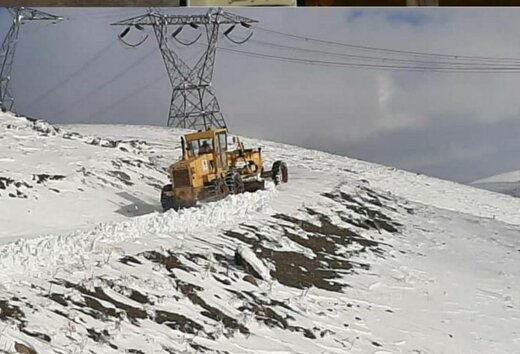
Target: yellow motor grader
column 210, row 169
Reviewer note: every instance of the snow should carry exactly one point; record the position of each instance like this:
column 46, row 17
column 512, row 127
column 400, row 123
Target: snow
column 512, row 176
column 250, row 258
column 506, row 183
column 354, row 257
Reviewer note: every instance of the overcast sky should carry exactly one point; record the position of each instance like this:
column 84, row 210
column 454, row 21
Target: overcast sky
column 455, row 126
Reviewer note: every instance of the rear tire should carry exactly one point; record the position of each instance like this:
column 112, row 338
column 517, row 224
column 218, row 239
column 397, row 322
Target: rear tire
column 280, row 172
column 168, row 202
column 234, row 183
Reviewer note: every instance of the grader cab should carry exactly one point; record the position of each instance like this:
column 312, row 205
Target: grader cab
column 210, row 169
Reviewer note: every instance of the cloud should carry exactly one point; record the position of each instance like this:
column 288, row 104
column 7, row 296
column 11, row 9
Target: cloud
column 85, row 75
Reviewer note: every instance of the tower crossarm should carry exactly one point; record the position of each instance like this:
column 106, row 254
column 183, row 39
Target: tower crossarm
column 28, row 14
column 153, row 18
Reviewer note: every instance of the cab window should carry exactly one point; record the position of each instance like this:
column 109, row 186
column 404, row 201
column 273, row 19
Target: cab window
column 222, row 138
column 199, row 147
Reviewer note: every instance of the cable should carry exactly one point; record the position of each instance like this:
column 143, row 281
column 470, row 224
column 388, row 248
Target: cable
column 371, row 58
column 475, row 69
column 394, row 51
column 78, row 71
column 105, row 84
column 125, row 97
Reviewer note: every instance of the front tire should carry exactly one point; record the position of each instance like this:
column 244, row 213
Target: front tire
column 280, row 172
column 168, row 202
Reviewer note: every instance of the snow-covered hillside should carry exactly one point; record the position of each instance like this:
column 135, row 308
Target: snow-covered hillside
column 60, row 180
column 507, row 183
column 348, row 257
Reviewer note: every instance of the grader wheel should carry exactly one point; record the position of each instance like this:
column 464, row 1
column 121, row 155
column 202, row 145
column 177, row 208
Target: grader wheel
column 217, row 189
column 280, row 173
column 234, row 183
column 168, row 202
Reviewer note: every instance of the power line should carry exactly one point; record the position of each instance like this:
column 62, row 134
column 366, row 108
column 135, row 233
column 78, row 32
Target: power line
column 386, row 50
column 126, row 96
column 106, row 83
column 78, row 71
column 388, row 60
column 475, row 69
column 374, row 58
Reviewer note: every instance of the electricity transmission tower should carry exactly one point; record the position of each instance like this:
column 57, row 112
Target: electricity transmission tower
column 20, row 16
column 193, row 104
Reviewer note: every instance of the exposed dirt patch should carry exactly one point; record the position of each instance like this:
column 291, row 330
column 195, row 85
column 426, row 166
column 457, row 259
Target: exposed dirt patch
column 43, row 177
column 331, row 247
column 264, row 311
column 8, row 310
column 138, row 163
column 71, row 135
column 202, row 349
column 41, row 336
column 13, row 312
column 190, row 291
column 91, row 301
column 177, row 322
column 14, row 188
column 24, row 349
column 298, row 270
column 170, row 260
column 59, row 298
column 100, row 337
column 92, row 306
column 135, row 351
column 121, row 176
column 42, row 127
column 5, row 182
column 128, row 260
column 103, row 142
column 366, row 205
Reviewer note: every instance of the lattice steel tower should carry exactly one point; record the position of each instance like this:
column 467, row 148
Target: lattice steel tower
column 193, row 104
column 20, row 16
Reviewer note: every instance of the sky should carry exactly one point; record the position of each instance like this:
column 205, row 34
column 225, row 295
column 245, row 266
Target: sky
column 455, row 126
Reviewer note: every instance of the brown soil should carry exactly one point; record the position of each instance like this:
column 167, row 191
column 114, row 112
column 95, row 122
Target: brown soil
column 325, row 270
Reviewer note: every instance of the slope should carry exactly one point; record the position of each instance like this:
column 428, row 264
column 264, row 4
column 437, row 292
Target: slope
column 347, row 257
column 506, row 183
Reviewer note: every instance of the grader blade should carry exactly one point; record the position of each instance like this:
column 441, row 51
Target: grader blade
column 253, row 186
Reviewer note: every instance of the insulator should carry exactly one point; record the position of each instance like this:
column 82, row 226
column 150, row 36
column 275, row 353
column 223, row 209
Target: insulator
column 229, row 30
column 125, row 32
column 177, row 31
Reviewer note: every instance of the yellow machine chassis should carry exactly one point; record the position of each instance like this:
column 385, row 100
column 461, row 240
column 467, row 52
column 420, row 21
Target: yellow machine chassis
column 201, row 176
